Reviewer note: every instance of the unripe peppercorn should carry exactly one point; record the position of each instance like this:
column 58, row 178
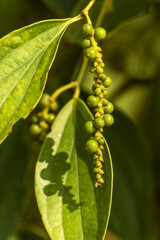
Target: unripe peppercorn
column 107, row 82
column 97, row 91
column 35, row 129
column 99, row 123
column 99, row 69
column 92, row 101
column 44, row 102
column 109, row 108
column 100, row 33
column 87, row 29
column 100, row 141
column 86, row 43
column 91, row 146
column 108, row 119
column 91, row 53
column 34, row 118
column 89, row 127
column 51, row 118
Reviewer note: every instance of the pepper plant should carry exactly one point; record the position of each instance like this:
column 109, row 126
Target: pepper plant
column 67, row 129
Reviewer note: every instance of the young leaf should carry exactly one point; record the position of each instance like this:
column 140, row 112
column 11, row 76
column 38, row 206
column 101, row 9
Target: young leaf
column 71, row 207
column 26, row 56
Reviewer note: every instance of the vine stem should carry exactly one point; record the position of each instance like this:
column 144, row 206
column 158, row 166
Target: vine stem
column 70, row 85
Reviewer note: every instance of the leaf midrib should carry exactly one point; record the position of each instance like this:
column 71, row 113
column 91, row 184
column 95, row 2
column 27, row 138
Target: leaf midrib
column 33, row 74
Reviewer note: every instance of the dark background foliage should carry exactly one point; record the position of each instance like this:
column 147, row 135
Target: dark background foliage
column 132, row 56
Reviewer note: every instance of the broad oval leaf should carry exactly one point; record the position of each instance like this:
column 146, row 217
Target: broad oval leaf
column 71, row 207
column 26, row 56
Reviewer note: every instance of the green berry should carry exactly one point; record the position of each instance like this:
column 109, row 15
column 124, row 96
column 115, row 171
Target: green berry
column 91, row 53
column 100, row 141
column 103, row 77
column 108, row 119
column 109, row 108
column 100, row 33
column 87, row 29
column 107, row 82
column 43, row 125
column 86, row 43
column 99, row 69
column 92, row 101
column 34, row 118
column 54, row 105
column 105, row 92
column 89, row 127
column 99, row 123
column 97, row 91
column 105, row 102
column 35, row 129
column 44, row 102
column 91, row 146
column 51, row 118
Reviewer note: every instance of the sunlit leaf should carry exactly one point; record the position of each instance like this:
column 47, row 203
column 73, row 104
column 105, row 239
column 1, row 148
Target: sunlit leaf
column 26, row 56
column 71, row 207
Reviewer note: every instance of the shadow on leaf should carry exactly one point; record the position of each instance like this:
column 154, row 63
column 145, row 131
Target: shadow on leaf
column 55, row 173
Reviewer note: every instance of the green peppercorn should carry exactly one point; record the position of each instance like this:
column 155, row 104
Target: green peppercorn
column 105, row 92
column 44, row 102
column 51, row 118
column 35, row 129
column 100, row 141
column 54, row 105
column 100, row 33
column 34, row 118
column 91, row 53
column 99, row 69
column 105, row 102
column 92, row 101
column 91, row 146
column 86, row 43
column 89, row 127
column 103, row 77
column 97, row 91
column 108, row 119
column 99, row 123
column 107, row 82
column 109, row 108
column 43, row 125
column 87, row 29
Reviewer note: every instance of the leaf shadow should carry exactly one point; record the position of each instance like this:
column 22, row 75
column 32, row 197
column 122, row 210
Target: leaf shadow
column 57, row 167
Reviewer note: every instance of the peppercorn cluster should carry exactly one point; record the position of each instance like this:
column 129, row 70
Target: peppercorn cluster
column 43, row 119
column 101, row 106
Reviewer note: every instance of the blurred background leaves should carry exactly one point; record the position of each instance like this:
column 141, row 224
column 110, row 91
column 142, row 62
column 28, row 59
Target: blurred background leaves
column 132, row 56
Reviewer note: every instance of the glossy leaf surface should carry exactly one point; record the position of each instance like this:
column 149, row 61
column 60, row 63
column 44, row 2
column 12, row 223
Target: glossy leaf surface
column 71, row 207
column 26, row 56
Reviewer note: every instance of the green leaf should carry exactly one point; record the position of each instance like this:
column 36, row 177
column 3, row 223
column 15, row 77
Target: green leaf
column 26, row 56
column 13, row 162
column 71, row 207
column 131, row 215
